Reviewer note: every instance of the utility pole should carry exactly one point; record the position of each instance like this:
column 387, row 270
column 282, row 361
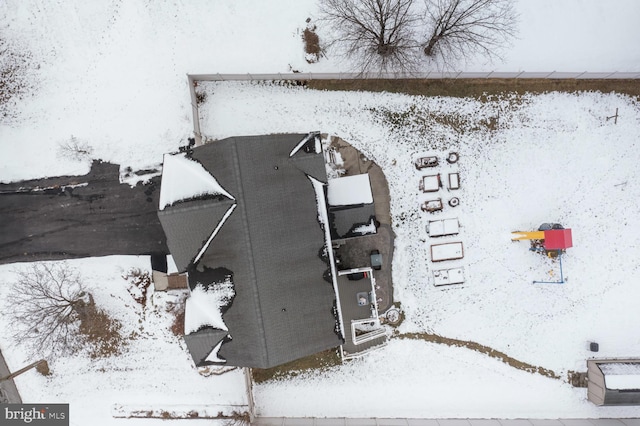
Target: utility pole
column 615, row 117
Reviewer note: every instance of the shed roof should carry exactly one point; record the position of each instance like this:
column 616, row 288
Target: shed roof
column 272, row 243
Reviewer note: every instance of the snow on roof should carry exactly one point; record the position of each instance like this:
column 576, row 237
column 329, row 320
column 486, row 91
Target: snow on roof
column 171, row 265
column 350, row 190
column 204, row 306
column 184, row 178
column 213, row 355
column 621, row 375
column 214, row 233
column 323, row 218
column 303, row 142
column 369, row 228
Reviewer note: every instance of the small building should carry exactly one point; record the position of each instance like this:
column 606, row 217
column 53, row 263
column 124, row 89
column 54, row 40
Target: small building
column 614, row 381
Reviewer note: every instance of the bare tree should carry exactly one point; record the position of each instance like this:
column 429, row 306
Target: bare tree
column 458, row 29
column 47, row 303
column 379, row 35
column 75, row 149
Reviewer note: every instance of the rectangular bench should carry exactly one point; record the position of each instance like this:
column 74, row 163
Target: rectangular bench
column 447, row 251
column 448, row 276
column 442, row 227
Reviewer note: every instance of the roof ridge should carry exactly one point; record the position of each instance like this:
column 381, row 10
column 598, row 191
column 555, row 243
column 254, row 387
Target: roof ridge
column 250, row 257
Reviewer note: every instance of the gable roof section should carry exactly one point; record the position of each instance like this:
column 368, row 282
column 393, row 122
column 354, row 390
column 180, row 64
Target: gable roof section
column 201, row 343
column 188, row 227
column 183, row 179
column 272, row 242
column 309, row 165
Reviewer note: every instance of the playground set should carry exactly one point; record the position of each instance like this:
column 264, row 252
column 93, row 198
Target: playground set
column 552, row 240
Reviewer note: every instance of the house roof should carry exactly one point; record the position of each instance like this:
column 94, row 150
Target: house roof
column 350, row 190
column 346, row 221
column 188, row 227
column 201, row 343
column 272, row 243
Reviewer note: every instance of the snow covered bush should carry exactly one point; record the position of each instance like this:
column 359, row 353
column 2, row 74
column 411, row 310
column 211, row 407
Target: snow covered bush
column 312, row 49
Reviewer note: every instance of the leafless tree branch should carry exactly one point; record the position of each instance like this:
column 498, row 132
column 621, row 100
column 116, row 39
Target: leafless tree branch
column 378, row 35
column 460, row 29
column 45, row 303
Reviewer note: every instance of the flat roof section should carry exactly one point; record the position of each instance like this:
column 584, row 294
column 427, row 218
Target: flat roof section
column 350, row 190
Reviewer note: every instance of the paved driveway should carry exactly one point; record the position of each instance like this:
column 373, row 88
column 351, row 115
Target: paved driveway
column 79, row 216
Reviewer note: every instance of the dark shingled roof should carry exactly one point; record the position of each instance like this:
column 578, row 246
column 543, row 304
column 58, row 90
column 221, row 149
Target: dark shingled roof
column 189, row 225
column 272, row 242
column 344, row 220
column 202, row 342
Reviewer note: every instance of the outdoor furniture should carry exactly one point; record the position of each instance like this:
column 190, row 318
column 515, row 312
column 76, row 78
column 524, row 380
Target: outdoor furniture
column 363, row 298
column 431, row 206
column 376, row 260
column 447, row 251
column 448, row 276
column 430, row 183
column 442, row 227
column 423, row 162
column 454, row 181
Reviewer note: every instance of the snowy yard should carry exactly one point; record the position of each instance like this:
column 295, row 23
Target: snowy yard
column 113, row 74
column 551, row 158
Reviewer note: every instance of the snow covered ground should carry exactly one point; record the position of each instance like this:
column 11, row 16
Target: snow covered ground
column 154, row 372
column 550, row 158
column 112, row 74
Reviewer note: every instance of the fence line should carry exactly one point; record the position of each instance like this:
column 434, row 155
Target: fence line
column 311, row 421
column 435, row 75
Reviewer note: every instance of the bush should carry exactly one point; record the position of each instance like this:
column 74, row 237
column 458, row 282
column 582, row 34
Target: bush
column 139, row 283
column 101, row 333
column 312, row 50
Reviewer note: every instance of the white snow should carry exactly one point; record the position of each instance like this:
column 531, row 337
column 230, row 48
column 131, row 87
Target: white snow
column 621, row 376
column 430, row 183
column 323, row 219
column 204, row 306
column 350, row 190
column 437, row 228
column 154, row 372
column 113, row 74
column 318, row 148
column 172, row 268
column 214, row 233
column 184, row 178
column 213, row 355
column 448, row 276
column 446, row 251
column 369, row 228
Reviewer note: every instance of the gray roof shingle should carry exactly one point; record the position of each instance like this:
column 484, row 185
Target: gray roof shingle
column 272, row 243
